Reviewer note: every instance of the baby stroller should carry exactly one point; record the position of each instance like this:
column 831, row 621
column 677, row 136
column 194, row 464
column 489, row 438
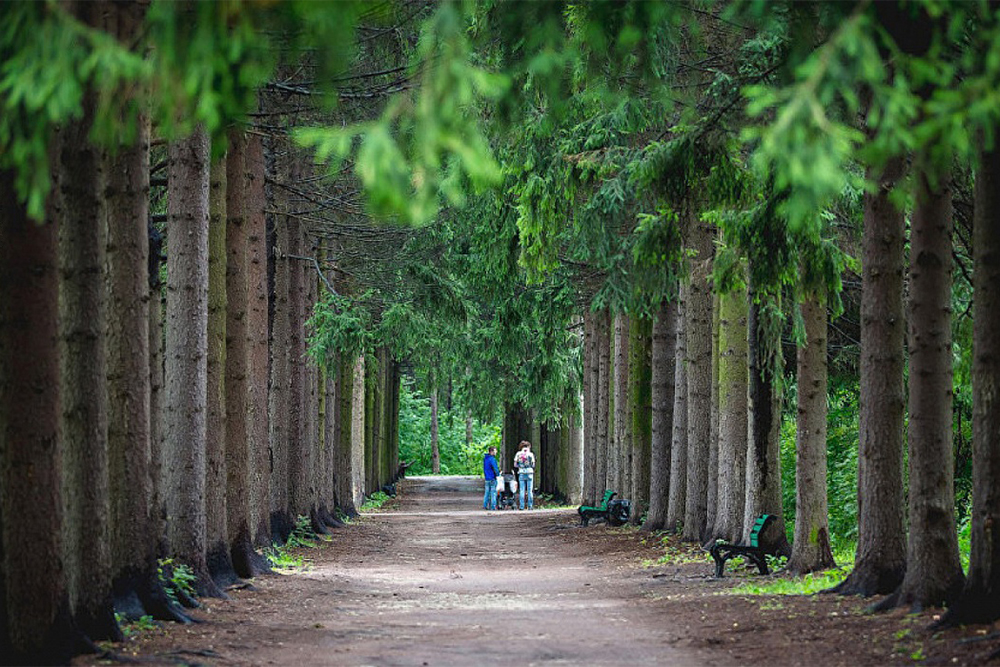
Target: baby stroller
column 507, row 491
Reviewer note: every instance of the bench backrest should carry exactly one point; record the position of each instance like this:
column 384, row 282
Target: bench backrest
column 758, row 528
column 608, row 495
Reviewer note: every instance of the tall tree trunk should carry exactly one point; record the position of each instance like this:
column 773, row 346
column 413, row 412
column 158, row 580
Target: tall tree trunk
column 298, row 451
column 604, row 393
column 346, row 493
column 662, row 401
column 934, row 575
column 83, row 375
column 763, row 463
column 258, row 339
column 589, row 407
column 619, row 455
column 186, row 355
column 239, row 452
column 157, row 398
column 35, row 618
column 677, row 498
column 980, row 602
column 220, row 563
column 640, row 412
column 698, row 309
column 281, row 396
column 811, row 546
column 880, row 561
column 712, row 504
column 357, row 430
column 435, row 452
column 135, row 585
column 732, row 415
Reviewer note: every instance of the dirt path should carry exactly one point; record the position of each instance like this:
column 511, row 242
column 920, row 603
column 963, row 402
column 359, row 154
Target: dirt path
column 436, row 581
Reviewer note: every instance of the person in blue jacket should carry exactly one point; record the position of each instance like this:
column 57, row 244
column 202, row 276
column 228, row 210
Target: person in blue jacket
column 490, row 471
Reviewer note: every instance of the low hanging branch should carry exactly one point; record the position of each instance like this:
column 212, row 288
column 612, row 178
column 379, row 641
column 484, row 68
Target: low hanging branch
column 319, row 271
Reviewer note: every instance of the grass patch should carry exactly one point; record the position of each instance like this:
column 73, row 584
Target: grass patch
column 375, row 501
column 786, row 585
column 676, row 552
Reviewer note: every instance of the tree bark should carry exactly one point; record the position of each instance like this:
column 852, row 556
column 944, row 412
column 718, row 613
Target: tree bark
column 34, row 619
column 239, row 452
column 640, row 412
column 357, row 430
column 589, row 407
column 604, row 393
column 698, row 309
column 880, row 561
column 620, row 451
column 83, row 376
column 733, row 374
column 712, row 503
column 811, row 545
column 220, row 563
column 677, row 498
column 980, row 601
column 934, row 575
column 258, row 339
column 186, row 355
column 763, row 464
column 662, row 400
column 346, row 495
column 435, row 452
column 281, row 396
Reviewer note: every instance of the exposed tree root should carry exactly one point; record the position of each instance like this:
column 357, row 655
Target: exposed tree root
column 865, row 581
column 220, row 567
column 101, row 624
column 246, row 561
column 281, row 527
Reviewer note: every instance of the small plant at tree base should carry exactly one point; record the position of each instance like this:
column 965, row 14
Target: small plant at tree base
column 281, row 556
column 132, row 628
column 176, row 577
column 375, row 501
column 302, row 535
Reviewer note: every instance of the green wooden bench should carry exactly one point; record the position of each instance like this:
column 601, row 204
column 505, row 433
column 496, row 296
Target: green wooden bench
column 755, row 551
column 614, row 512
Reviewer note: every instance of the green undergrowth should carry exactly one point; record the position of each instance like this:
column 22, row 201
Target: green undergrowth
column 676, row 552
column 375, row 501
column 133, row 628
column 176, row 578
column 788, row 585
column 287, row 556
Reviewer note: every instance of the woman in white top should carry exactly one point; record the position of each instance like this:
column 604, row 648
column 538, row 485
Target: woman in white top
column 524, row 461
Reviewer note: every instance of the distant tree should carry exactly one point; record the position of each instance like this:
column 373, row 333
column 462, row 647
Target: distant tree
column 698, row 338
column 664, row 337
column 733, row 373
column 640, row 412
column 677, row 499
column 811, row 544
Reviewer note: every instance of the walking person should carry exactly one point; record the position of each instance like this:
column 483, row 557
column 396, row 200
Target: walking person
column 490, row 471
column 524, row 461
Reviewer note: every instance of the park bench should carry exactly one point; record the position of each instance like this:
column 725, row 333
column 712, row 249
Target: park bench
column 614, row 512
column 755, row 551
